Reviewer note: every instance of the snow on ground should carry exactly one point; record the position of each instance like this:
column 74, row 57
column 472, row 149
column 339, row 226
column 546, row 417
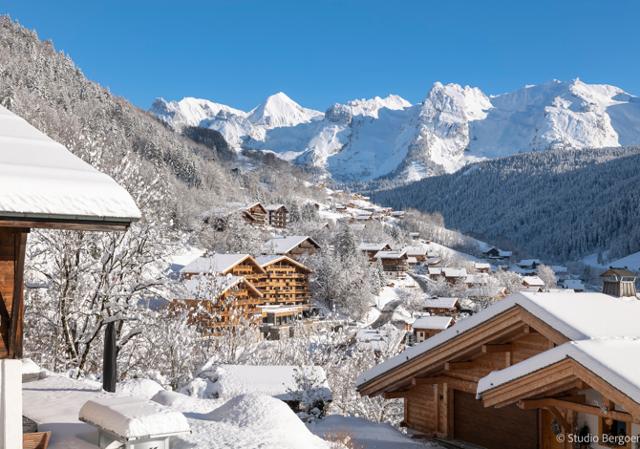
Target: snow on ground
column 445, row 251
column 245, row 422
column 366, row 434
column 632, row 262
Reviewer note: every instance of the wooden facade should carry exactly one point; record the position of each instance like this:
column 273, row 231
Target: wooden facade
column 394, row 263
column 284, row 282
column 439, row 388
column 239, row 303
column 12, row 253
column 619, row 282
column 256, row 214
column 278, row 215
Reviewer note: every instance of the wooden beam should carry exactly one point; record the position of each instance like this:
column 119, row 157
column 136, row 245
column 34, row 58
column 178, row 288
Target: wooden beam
column 395, row 394
column 492, row 349
column 531, row 404
column 78, row 225
column 467, row 364
column 17, row 308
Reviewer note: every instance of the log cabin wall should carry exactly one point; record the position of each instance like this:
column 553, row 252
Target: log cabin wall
column 12, row 252
column 284, row 283
column 429, row 409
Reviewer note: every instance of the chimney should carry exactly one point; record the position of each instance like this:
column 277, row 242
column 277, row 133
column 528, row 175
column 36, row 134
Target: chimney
column 619, row 282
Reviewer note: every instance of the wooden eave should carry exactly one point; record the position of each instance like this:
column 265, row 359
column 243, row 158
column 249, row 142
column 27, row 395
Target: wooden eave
column 253, row 262
column 289, row 260
column 499, row 329
column 544, row 388
column 68, row 223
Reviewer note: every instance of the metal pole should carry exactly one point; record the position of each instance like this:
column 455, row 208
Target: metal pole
column 109, row 363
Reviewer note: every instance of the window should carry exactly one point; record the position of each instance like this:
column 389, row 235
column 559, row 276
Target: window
column 613, row 433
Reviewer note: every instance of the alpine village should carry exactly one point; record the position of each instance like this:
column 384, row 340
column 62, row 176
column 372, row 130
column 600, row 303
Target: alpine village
column 196, row 276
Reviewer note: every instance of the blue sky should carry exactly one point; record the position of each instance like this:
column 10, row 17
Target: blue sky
column 320, row 52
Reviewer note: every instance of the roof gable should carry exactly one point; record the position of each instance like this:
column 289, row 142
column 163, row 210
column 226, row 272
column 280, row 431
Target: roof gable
column 218, row 263
column 266, row 260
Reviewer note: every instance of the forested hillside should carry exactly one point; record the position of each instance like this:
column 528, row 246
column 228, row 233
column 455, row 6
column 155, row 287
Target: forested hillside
column 556, row 204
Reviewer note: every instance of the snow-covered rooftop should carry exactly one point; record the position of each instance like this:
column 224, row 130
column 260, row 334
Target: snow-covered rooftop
column 614, row 360
column 441, row 303
column 365, row 246
column 269, row 259
column 578, row 316
column 41, row 179
column 532, row 281
column 432, row 322
column 216, row 263
column 454, row 272
column 390, row 254
column 282, row 245
column 416, row 250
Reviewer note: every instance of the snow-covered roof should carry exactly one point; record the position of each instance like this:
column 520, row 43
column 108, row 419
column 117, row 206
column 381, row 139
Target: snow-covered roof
column 612, row 359
column 365, row 246
column 477, row 278
column 207, row 287
column 482, row 266
column 274, row 207
column 216, row 263
column 574, row 284
column 40, row 179
column 451, row 272
column 532, row 281
column 133, row 417
column 390, row 254
column 434, row 270
column 416, row 250
column 526, row 263
column 441, row 303
column 268, row 259
column 558, row 269
column 578, row 316
column 283, row 245
column 279, row 381
column 432, row 322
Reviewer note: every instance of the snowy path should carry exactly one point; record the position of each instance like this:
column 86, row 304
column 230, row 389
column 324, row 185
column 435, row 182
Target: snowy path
column 366, row 434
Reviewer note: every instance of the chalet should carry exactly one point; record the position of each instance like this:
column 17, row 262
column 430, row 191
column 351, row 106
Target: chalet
column 533, row 282
column 497, row 253
column 371, row 249
column 454, row 275
column 277, row 215
column 255, row 213
column 433, row 260
column 435, row 273
column 217, row 301
column 476, row 280
column 417, row 251
column 285, row 281
column 482, row 267
column 619, row 282
column 573, row 284
column 529, row 264
column 529, row 372
column 560, row 271
column 414, row 235
column 442, row 306
column 241, row 265
column 398, row 213
column 340, row 207
column 294, row 246
column 428, row 326
column 42, row 185
column 394, row 263
column 278, row 315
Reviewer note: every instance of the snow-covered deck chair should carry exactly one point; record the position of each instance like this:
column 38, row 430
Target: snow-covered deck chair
column 133, row 423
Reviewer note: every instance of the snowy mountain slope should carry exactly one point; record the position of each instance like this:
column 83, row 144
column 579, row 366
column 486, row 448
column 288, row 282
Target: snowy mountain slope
column 388, row 137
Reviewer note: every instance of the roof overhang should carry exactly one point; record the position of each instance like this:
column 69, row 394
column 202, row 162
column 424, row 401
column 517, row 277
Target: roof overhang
column 64, row 222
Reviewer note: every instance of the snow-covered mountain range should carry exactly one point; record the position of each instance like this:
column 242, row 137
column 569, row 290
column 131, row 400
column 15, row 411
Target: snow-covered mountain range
column 367, row 139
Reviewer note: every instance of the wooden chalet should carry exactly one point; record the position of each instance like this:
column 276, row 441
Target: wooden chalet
column 295, row 246
column 533, row 282
column 218, row 301
column 497, row 253
column 442, row 306
column 619, row 282
column 223, row 286
column 278, row 215
column 428, row 326
column 528, row 372
column 42, row 185
column 371, row 249
column 482, row 267
column 394, row 263
column 419, row 252
column 285, row 281
column 454, row 275
column 255, row 213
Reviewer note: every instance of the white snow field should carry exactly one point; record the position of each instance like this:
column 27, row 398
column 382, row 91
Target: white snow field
column 247, row 421
column 454, row 125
